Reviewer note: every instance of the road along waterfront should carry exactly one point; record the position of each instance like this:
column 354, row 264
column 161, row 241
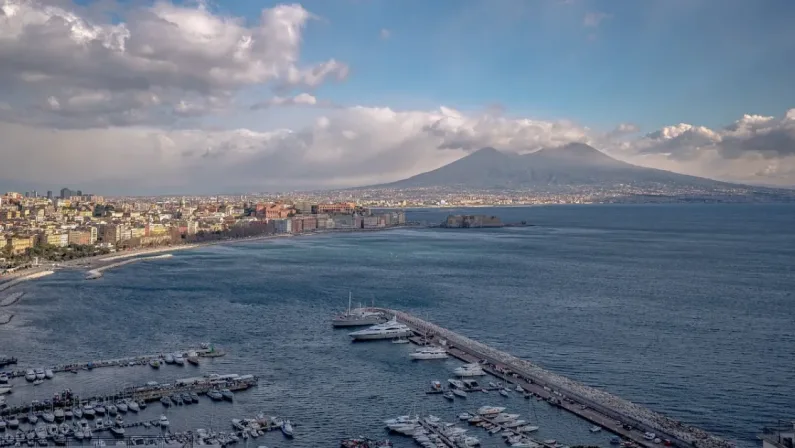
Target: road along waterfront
column 595, row 405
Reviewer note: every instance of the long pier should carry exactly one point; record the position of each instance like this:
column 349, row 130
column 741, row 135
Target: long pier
column 614, row 414
column 124, row 362
column 145, row 393
column 97, row 272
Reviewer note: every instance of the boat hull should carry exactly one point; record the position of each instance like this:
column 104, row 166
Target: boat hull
column 376, row 336
column 342, row 323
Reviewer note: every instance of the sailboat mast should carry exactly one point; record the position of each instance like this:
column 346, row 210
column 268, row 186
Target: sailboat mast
column 349, row 302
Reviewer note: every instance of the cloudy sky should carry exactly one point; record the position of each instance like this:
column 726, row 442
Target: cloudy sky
column 141, row 96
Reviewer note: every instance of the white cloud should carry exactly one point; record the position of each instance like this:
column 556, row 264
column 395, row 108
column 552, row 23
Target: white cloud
column 164, row 50
column 594, row 19
column 302, row 99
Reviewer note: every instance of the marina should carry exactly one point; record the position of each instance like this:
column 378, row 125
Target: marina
column 612, row 413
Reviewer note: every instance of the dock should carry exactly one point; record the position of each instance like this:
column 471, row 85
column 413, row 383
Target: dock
column 202, row 352
column 614, row 414
column 141, row 393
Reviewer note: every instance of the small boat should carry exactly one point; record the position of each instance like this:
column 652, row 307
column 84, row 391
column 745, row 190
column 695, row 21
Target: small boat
column 141, row 404
column 459, row 393
column 48, row 416
column 4, row 378
column 287, row 429
column 465, row 416
column 227, row 394
column 163, row 422
column 155, row 364
column 99, row 424
column 65, row 429
column 77, row 412
column 595, row 428
column 194, row 396
column 449, row 395
column 177, row 399
column 30, row 375
column 122, row 406
column 117, row 431
column 166, row 401
column 133, row 406
column 38, row 382
column 68, row 414
column 40, row 375
column 59, row 414
column 519, row 389
column 112, row 409
column 99, row 409
column 32, row 418
column 187, row 398
column 400, row 341
column 504, row 392
column 49, row 374
column 215, row 395
column 179, row 360
column 527, row 428
column 88, row 411
column 193, row 358
column 169, row 359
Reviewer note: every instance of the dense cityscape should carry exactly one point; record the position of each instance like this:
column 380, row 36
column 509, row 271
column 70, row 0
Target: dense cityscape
column 74, row 224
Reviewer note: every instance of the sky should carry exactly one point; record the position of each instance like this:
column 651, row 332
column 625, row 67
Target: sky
column 144, row 97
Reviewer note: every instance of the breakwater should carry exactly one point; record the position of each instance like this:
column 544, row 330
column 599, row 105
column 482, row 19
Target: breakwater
column 592, row 404
column 11, row 299
column 97, row 272
column 17, row 280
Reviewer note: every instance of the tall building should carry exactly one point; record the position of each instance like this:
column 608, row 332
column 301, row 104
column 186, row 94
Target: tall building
column 49, row 194
column 66, row 193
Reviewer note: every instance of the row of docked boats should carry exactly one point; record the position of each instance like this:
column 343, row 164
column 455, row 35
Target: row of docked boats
column 37, row 376
column 177, row 399
column 176, row 359
column 494, row 420
column 431, row 432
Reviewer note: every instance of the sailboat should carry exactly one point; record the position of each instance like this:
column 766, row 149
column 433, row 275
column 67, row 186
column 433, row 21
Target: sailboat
column 357, row 317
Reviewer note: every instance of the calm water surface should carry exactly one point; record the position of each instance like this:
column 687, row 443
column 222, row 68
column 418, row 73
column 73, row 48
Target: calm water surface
column 686, row 309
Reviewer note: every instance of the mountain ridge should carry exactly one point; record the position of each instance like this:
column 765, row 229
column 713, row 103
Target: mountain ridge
column 571, row 165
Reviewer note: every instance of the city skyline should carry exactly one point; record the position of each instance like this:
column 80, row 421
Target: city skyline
column 198, row 98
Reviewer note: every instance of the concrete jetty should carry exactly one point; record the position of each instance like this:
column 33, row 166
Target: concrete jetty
column 615, row 414
column 205, row 351
column 97, row 272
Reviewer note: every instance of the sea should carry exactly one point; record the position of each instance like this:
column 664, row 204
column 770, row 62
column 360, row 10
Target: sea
column 686, row 309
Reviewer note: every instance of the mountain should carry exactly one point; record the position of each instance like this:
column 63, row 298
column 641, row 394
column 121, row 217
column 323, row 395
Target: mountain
column 573, row 165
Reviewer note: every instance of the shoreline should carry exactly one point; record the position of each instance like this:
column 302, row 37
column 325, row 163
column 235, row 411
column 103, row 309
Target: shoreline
column 12, row 299
column 99, row 260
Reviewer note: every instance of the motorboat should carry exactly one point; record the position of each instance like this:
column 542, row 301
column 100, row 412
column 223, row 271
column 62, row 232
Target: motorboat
column 5, row 390
column 99, row 424
column 400, row 341
column 112, row 409
column 227, row 394
column 465, row 416
column 65, row 429
column 117, row 431
column 459, row 393
column 59, row 414
column 163, row 421
column 358, row 317
column 33, row 418
column 155, row 364
column 194, row 396
column 177, row 399
column 504, row 392
column 595, row 428
column 77, row 412
column 141, row 404
column 505, row 418
column 470, row 384
column 166, row 401
column 100, row 409
column 40, row 375
column 30, row 375
column 490, row 410
column 388, row 330
column 519, row 389
column 448, row 395
column 122, row 406
column 179, row 360
column 133, row 406
column 526, row 428
column 215, row 395
column 48, row 416
column 458, row 384
column 193, row 358
column 287, row 429
column 52, row 430
column 4, row 378
column 429, row 353
column 169, row 359
column 68, row 414
column 469, row 370
column 186, row 398
column 49, row 374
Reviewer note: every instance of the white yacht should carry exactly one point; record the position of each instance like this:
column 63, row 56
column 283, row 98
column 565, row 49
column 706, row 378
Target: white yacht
column 357, row 317
column 30, row 375
column 39, row 374
column 163, row 422
column 490, row 410
column 179, row 360
column 469, row 370
column 49, row 374
column 429, row 353
column 388, row 330
column 169, row 359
